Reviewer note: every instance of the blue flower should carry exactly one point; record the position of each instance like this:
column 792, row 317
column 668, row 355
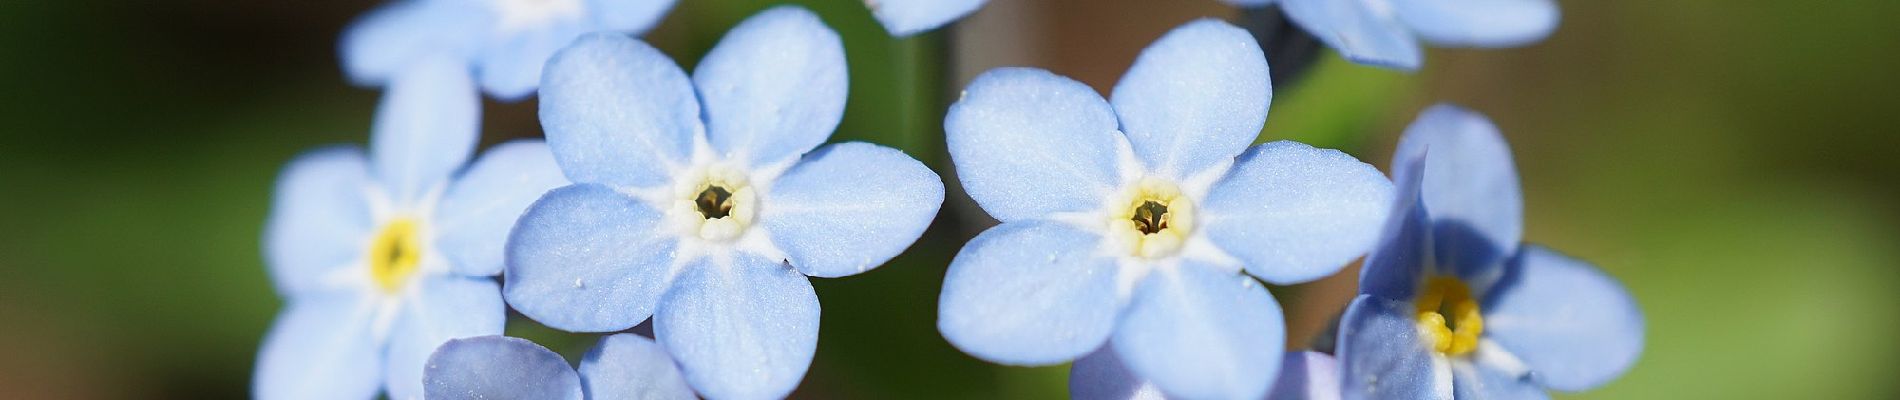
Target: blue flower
column 505, row 41
column 1137, row 221
column 622, row 366
column 711, row 226
column 1386, row 32
column 382, row 257
column 1451, row 306
column 1304, row 375
column 909, row 17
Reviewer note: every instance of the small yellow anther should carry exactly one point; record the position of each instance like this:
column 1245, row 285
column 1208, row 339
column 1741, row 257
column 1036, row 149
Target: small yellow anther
column 1449, row 319
column 395, row 254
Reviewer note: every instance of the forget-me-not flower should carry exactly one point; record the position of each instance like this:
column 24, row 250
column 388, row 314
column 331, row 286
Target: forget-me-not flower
column 1386, row 32
column 1136, row 221
column 622, row 366
column 382, row 258
column 1451, row 306
column 909, row 17
column 702, row 203
column 1304, row 375
column 506, row 42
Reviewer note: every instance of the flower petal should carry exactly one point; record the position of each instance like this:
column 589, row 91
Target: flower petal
column 617, row 112
column 396, row 35
column 511, row 64
column 1573, row 325
column 321, row 347
column 1480, row 23
column 1295, row 213
column 849, row 207
column 631, row 16
column 1028, row 293
column 1195, row 98
column 1380, row 355
column 742, row 329
column 1470, row 189
column 1027, row 143
column 1197, row 331
column 319, row 218
column 425, row 128
column 440, row 309
column 1360, row 34
column 1393, row 267
column 1102, row 376
column 587, row 259
column 498, row 367
column 1307, row 375
column 629, row 366
column 909, row 17
column 473, row 220
column 774, row 87
column 1475, row 382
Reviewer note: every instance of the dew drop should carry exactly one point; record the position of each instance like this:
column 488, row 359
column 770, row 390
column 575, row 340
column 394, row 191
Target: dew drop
column 578, row 284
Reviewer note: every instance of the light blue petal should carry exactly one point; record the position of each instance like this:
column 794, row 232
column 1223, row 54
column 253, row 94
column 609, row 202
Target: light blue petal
column 909, row 17
column 1573, row 325
column 1028, row 293
column 774, row 87
column 1470, row 189
column 1307, row 375
column 847, row 208
column 1480, row 23
column 1195, row 98
column 498, row 367
column 1027, row 143
column 1102, row 376
column 1393, row 267
column 1199, row 332
column 441, row 308
column 630, row 16
column 585, row 258
column 321, row 347
column 1360, row 34
column 425, row 128
column 1295, row 213
column 319, row 218
column 396, row 35
column 511, row 65
column 744, row 329
column 1475, row 382
column 617, row 112
column 473, row 220
column 629, row 366
column 1380, row 356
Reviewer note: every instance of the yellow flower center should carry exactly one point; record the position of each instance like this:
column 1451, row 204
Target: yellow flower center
column 395, row 254
column 717, row 203
column 1154, row 219
column 1448, row 317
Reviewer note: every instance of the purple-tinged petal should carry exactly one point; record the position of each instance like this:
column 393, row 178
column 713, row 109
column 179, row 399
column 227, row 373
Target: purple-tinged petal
column 1102, row 376
column 1381, row 356
column 1396, row 264
column 498, row 367
column 1470, row 189
column 629, row 366
column 1307, row 375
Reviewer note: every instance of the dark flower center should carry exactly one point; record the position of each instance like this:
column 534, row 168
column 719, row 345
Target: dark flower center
column 1150, row 217
column 714, row 203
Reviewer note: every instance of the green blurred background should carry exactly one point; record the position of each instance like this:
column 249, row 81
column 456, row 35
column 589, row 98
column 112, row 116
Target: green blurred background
column 1733, row 162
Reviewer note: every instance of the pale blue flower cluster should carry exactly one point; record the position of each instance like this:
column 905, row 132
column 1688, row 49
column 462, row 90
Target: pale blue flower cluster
column 1138, row 233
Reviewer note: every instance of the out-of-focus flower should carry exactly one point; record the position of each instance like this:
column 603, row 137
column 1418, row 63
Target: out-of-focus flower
column 909, row 17
column 1386, row 32
column 1304, row 375
column 622, row 366
column 506, row 42
column 1137, row 221
column 1451, row 306
column 382, row 258
column 710, row 226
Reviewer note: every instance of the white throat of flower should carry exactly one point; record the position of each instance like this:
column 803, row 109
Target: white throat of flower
column 1153, row 221
column 518, row 15
column 398, row 252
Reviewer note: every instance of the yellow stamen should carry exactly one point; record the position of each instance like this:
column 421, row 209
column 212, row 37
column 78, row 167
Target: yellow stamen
column 1449, row 319
column 1155, row 220
column 395, row 254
